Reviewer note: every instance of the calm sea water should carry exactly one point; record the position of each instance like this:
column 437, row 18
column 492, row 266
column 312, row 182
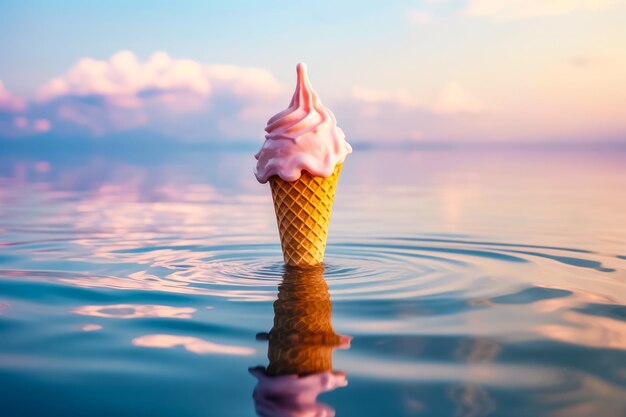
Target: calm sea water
column 456, row 284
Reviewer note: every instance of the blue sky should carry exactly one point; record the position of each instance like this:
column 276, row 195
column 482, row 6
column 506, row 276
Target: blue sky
column 436, row 70
column 272, row 34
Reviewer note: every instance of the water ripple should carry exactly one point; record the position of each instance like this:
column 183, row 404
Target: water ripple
column 389, row 268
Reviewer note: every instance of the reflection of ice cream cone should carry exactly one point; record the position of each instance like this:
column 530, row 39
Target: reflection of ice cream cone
column 300, row 348
column 303, row 210
column 302, row 156
column 302, row 339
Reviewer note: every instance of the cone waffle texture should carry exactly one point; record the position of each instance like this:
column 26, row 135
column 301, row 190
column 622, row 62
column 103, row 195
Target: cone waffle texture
column 302, row 339
column 303, row 210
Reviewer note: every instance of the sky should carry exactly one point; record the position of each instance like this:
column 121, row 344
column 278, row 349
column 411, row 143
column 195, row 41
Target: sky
column 432, row 71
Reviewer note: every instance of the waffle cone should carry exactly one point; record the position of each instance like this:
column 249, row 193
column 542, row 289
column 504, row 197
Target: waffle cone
column 303, row 210
column 302, row 338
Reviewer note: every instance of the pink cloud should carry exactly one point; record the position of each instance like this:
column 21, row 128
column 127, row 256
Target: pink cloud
column 25, row 125
column 397, row 115
column 452, row 99
column 21, row 122
column 41, row 125
column 9, row 102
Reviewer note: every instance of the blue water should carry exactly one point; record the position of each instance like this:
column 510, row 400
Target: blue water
column 461, row 283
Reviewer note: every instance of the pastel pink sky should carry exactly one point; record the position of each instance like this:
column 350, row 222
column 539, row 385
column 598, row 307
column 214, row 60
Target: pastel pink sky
column 472, row 71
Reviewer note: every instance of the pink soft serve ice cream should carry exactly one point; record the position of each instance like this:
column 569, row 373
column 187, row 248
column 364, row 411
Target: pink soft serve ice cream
column 304, row 137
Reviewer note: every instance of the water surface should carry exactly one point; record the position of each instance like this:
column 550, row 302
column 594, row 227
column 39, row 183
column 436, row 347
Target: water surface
column 457, row 283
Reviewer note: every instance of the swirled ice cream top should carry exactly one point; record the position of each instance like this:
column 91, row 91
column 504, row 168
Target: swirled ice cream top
column 305, row 137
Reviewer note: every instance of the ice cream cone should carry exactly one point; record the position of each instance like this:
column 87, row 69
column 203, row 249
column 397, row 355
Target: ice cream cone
column 301, row 157
column 302, row 339
column 303, row 209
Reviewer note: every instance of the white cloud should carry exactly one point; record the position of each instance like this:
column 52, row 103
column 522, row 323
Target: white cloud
column 123, row 78
column 453, row 99
column 521, row 9
column 172, row 96
column 188, row 100
column 9, row 102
